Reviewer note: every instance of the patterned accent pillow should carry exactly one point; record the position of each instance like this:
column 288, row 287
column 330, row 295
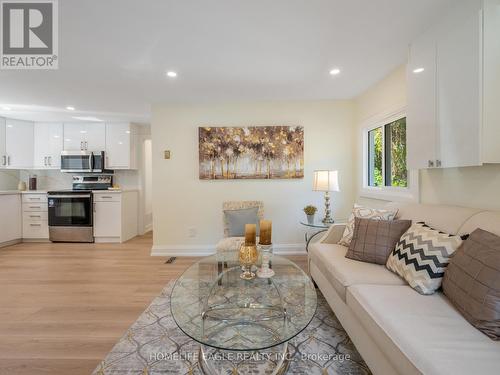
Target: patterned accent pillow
column 421, row 257
column 364, row 213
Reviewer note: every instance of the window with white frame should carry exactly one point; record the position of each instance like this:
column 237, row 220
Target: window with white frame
column 385, row 172
column 387, row 155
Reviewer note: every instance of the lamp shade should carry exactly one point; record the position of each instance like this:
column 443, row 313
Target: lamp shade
column 326, row 181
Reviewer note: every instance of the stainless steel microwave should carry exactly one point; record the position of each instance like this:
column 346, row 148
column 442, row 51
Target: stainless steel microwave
column 83, row 161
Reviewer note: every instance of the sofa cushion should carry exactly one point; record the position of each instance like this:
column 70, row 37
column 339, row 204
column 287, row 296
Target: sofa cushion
column 421, row 257
column 374, row 240
column 487, row 220
column 472, row 281
column 422, row 334
column 342, row 272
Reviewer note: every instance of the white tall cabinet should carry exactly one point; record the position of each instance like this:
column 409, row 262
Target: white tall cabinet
column 48, row 145
column 19, row 144
column 453, row 117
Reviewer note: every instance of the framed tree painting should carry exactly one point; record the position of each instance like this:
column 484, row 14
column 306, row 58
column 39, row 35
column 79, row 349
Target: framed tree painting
column 254, row 152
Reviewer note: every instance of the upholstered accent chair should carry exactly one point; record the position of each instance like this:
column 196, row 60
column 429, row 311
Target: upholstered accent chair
column 233, row 243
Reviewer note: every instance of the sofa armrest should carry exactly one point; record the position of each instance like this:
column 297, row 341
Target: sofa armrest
column 333, row 234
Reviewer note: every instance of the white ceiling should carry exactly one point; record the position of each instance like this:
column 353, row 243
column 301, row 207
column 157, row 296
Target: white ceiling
column 113, row 54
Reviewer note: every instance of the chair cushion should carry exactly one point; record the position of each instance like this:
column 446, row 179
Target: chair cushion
column 236, row 220
column 425, row 333
column 374, row 240
column 472, row 281
column 421, row 257
column 342, row 272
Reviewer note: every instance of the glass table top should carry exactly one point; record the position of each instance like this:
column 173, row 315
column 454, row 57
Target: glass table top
column 214, row 306
column 317, row 224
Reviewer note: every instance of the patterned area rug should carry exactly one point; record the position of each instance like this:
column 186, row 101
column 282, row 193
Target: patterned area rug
column 154, row 345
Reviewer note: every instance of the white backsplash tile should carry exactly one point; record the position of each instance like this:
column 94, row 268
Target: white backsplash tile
column 56, row 180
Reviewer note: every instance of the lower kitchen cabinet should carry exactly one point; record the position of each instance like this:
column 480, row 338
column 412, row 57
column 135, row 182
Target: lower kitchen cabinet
column 35, row 219
column 115, row 216
column 10, row 219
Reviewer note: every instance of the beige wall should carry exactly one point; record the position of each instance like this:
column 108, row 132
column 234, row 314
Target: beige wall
column 472, row 186
column 181, row 201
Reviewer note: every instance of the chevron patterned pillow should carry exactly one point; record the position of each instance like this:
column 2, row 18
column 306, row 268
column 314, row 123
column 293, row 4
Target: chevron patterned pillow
column 421, row 257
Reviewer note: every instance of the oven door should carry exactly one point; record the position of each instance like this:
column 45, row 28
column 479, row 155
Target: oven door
column 70, row 210
column 76, row 161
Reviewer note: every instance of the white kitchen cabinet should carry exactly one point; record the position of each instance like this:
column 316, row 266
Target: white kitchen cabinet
column 48, row 145
column 453, row 119
column 19, row 144
column 3, row 152
column 89, row 136
column 421, row 111
column 35, row 217
column 121, row 146
column 10, row 219
column 459, row 97
column 491, row 82
column 115, row 216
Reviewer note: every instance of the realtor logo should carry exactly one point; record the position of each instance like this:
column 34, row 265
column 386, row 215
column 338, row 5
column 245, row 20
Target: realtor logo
column 29, row 34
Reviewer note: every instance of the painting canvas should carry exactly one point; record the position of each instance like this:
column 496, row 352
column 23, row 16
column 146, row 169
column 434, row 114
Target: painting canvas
column 254, row 152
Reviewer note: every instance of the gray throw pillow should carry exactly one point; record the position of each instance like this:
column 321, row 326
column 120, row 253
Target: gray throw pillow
column 373, row 240
column 236, row 220
column 472, row 282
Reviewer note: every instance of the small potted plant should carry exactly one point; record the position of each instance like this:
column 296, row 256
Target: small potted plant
column 310, row 211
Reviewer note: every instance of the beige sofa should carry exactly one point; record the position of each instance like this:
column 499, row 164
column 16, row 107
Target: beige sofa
column 397, row 330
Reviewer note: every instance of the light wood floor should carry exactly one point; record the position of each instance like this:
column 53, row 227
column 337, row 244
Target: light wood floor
column 64, row 306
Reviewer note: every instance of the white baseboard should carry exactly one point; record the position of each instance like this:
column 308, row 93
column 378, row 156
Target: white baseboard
column 205, row 250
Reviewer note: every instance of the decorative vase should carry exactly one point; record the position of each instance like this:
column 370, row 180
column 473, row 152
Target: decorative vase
column 310, row 219
column 248, row 256
column 21, row 186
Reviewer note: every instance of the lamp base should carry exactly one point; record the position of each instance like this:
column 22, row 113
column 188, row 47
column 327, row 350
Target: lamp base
column 327, row 219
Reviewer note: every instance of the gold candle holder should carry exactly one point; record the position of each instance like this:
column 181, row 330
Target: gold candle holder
column 248, row 256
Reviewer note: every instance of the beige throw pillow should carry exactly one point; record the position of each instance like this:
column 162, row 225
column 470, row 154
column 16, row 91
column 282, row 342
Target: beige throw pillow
column 364, row 213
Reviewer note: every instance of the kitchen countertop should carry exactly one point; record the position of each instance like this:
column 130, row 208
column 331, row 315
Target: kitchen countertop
column 9, row 192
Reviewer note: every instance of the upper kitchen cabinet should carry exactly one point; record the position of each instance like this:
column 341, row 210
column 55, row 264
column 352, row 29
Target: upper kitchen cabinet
column 3, row 152
column 421, row 111
column 453, row 83
column 121, row 147
column 89, row 136
column 19, row 144
column 491, row 81
column 48, row 145
column 459, row 79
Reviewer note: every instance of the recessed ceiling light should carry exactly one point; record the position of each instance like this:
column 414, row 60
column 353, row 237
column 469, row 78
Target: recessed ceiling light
column 70, row 108
column 418, row 70
column 334, row 71
column 5, row 108
column 171, row 74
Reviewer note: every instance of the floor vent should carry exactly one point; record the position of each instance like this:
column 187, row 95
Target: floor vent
column 170, row 260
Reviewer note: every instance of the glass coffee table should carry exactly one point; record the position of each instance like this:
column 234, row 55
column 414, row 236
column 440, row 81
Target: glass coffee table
column 229, row 316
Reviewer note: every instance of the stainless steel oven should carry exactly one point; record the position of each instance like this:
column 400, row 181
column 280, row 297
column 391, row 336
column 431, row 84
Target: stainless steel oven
column 82, row 161
column 70, row 215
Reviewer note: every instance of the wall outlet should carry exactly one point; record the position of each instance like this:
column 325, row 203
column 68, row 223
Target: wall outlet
column 192, row 232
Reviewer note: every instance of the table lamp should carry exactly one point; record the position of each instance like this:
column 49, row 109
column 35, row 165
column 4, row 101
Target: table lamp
column 326, row 181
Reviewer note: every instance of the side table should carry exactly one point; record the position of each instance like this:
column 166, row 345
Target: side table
column 319, row 225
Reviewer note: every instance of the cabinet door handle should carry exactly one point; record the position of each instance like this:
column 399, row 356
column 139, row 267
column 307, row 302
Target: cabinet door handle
column 86, row 145
column 438, row 163
column 81, row 146
column 45, row 161
column 34, row 199
column 35, row 207
column 4, row 160
column 36, row 225
column 430, row 163
column 38, row 216
column 50, row 160
column 8, row 160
